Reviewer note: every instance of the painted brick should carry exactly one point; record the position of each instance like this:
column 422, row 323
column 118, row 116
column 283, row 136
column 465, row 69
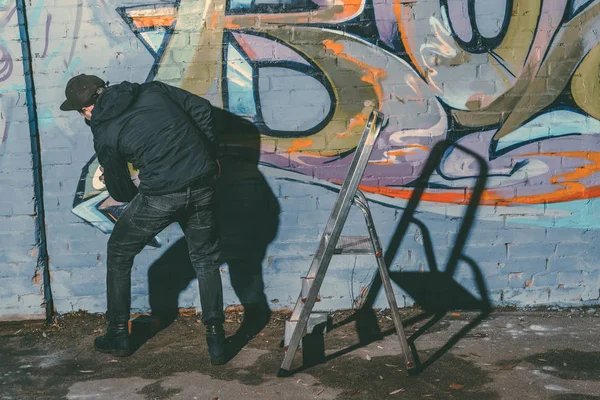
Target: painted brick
column 533, row 250
column 545, row 279
column 496, row 253
column 523, row 297
column 17, row 178
column 572, row 296
column 563, row 263
column 298, row 234
column 565, row 236
column 30, row 300
column 18, row 267
column 8, row 209
column 529, row 265
column 17, row 238
column 288, row 220
column 18, row 254
column 592, row 285
column 580, row 249
column 62, row 261
column 571, row 279
column 16, row 223
column 298, row 204
column 57, row 157
column 517, row 279
column 311, row 218
column 496, row 282
column 89, row 289
column 60, row 214
column 73, row 304
column 590, row 235
column 297, row 264
column 505, row 241
column 527, row 236
column 61, row 173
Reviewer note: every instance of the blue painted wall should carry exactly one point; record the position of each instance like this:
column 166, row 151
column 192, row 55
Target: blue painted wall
column 508, row 84
column 21, row 292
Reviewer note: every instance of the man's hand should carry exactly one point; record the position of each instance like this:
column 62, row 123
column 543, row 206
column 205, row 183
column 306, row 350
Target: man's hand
column 101, row 177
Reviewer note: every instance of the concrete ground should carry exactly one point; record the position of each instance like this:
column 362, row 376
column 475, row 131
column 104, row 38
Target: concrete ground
column 508, row 355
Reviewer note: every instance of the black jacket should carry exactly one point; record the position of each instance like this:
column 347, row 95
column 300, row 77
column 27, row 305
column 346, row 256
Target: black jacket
column 167, row 134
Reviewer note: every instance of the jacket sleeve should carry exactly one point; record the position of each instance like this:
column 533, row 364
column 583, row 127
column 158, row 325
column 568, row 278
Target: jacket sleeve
column 198, row 108
column 116, row 175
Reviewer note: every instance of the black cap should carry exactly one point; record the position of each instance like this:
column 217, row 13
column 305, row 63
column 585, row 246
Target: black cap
column 81, row 92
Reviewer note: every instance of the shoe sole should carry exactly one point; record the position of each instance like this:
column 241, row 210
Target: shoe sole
column 116, row 353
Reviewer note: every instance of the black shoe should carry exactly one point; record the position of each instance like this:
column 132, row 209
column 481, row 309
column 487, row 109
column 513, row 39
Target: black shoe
column 217, row 344
column 115, row 341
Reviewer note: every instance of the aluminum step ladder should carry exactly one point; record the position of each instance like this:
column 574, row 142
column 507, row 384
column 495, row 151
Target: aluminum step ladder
column 333, row 243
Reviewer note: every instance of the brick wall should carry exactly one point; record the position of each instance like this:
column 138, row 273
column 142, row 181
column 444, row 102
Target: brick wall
column 20, row 278
column 518, row 87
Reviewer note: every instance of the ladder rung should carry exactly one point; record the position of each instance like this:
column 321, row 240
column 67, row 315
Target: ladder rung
column 306, row 284
column 315, row 319
column 354, row 245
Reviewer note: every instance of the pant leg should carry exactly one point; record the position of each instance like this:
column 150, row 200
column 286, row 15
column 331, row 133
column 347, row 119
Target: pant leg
column 200, row 228
column 138, row 225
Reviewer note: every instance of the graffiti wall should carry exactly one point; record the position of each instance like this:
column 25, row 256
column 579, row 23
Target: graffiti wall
column 515, row 81
column 21, row 293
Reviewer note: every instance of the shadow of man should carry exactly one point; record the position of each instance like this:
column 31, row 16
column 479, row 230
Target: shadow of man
column 248, row 216
column 248, row 213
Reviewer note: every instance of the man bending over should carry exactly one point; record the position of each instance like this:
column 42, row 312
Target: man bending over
column 167, row 134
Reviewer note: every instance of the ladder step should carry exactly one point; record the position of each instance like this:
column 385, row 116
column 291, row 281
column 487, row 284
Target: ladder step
column 316, row 319
column 307, row 282
column 354, row 245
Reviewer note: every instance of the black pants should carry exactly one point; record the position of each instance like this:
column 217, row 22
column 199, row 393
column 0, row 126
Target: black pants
column 145, row 217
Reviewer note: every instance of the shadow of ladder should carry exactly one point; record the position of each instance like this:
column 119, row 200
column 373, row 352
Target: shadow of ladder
column 332, row 243
column 417, row 283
